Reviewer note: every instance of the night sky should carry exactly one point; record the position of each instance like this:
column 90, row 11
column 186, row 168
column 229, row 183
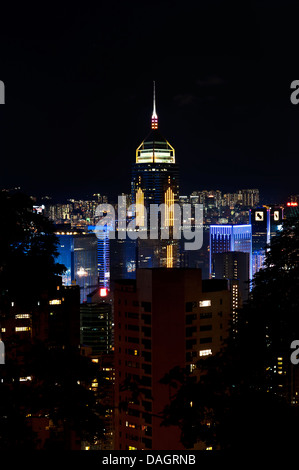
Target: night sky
column 79, row 94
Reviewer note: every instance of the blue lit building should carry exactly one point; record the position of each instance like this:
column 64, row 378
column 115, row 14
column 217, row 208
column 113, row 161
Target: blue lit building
column 266, row 222
column 276, row 219
column 122, row 259
column 78, row 251
column 103, row 256
column 259, row 219
column 226, row 238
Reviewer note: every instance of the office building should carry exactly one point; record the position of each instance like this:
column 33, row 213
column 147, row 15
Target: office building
column 266, row 222
column 234, row 265
column 155, row 180
column 103, row 248
column 260, row 222
column 225, row 238
column 122, row 259
column 276, row 219
column 96, row 323
column 78, row 252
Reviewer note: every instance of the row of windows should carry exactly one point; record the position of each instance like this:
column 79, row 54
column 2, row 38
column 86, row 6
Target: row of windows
column 192, row 342
column 202, row 316
column 147, row 306
column 193, row 329
column 201, row 303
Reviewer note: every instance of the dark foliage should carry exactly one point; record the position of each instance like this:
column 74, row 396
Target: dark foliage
column 239, row 401
column 28, row 248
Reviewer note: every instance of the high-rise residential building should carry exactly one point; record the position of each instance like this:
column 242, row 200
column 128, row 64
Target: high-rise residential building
column 155, row 180
column 224, row 238
column 165, row 318
column 78, row 213
column 249, row 197
column 230, row 200
column 78, row 252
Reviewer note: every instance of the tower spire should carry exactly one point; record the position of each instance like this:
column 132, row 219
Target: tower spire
column 154, row 115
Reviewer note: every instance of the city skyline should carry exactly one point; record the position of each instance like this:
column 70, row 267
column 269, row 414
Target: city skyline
column 149, row 266
column 211, row 176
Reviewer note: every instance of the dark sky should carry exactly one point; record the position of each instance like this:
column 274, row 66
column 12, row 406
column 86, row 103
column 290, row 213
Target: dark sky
column 79, row 94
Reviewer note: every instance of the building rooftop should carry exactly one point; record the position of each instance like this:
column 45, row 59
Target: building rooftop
column 155, row 149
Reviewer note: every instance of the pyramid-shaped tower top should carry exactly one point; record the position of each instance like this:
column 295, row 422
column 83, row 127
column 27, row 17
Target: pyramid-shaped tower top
column 155, row 148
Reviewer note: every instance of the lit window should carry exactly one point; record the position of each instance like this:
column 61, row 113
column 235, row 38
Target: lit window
column 205, row 303
column 205, row 352
column 3, row 330
column 132, row 448
column 22, row 315
column 55, row 302
column 25, row 379
column 22, row 328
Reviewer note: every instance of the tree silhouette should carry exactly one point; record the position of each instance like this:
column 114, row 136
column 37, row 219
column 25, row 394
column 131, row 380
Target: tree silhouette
column 28, row 248
column 58, row 385
column 242, row 399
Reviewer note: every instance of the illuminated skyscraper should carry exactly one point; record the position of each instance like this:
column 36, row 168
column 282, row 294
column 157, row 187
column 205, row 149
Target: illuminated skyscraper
column 78, row 252
column 225, row 238
column 265, row 221
column 155, row 180
column 103, row 256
